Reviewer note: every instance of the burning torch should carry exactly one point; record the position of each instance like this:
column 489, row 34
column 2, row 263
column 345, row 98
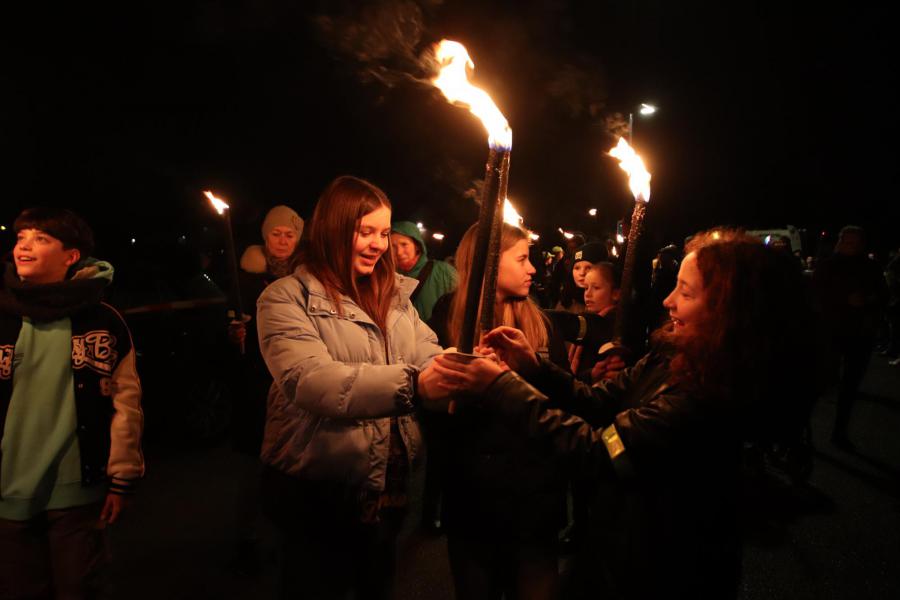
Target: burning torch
column 452, row 80
column 639, row 182
column 223, row 209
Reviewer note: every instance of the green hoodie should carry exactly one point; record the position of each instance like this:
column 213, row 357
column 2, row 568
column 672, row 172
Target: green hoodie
column 41, row 460
column 442, row 279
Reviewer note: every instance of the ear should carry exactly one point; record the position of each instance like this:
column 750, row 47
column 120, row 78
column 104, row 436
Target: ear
column 616, row 294
column 73, row 257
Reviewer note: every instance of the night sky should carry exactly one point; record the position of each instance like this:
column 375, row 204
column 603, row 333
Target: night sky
column 770, row 113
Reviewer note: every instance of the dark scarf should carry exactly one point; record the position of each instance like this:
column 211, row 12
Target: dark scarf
column 275, row 266
column 47, row 302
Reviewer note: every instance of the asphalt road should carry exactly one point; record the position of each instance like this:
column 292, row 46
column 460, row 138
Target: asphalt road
column 837, row 537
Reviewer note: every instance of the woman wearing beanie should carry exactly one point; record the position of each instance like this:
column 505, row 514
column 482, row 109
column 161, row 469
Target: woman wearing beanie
column 260, row 266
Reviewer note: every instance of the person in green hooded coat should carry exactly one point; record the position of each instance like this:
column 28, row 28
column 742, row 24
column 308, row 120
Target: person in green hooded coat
column 436, row 277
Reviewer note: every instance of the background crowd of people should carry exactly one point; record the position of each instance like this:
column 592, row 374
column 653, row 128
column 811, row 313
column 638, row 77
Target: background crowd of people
column 548, row 440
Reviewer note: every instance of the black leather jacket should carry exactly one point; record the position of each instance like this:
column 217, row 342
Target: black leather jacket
column 663, row 522
column 496, row 483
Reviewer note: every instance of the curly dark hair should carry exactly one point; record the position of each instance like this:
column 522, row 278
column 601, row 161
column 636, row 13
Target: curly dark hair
column 759, row 345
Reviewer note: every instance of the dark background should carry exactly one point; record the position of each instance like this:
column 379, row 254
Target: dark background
column 771, row 113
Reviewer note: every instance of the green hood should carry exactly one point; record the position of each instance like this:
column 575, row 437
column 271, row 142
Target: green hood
column 409, row 229
column 91, row 268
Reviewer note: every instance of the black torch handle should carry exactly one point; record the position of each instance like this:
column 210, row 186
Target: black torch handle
column 235, row 284
column 623, row 313
column 492, row 262
column 479, row 255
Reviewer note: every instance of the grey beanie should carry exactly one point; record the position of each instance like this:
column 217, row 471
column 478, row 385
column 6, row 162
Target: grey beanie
column 282, row 216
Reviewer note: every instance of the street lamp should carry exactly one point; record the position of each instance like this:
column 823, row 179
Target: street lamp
column 592, row 212
column 645, row 110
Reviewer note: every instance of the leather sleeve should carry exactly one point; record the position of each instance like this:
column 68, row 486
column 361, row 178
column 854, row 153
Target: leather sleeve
column 596, row 404
column 526, row 410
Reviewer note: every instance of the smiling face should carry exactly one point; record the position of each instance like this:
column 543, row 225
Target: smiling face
column 41, row 258
column 372, row 239
column 281, row 242
column 687, row 302
column 514, row 272
column 406, row 251
column 599, row 292
column 580, row 271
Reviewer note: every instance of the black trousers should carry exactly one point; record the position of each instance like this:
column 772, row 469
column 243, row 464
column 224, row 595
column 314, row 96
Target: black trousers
column 855, row 353
column 328, row 553
column 55, row 554
column 494, row 568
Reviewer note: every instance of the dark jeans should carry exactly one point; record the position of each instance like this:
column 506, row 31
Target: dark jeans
column 486, row 569
column 328, row 553
column 55, row 554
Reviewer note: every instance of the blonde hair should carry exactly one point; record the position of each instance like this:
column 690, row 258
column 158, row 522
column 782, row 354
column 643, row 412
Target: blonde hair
column 521, row 313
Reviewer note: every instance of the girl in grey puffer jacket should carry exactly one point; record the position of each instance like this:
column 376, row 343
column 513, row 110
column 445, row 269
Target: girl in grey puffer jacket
column 350, row 358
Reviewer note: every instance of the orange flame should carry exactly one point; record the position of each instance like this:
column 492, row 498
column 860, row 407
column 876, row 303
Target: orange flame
column 219, row 205
column 631, row 163
column 453, row 81
column 511, row 215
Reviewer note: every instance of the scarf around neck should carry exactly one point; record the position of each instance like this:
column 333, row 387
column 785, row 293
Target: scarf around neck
column 50, row 301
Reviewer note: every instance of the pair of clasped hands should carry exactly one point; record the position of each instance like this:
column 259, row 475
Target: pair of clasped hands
column 454, row 374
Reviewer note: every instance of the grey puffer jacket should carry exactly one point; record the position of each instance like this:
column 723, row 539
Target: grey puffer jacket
column 334, row 388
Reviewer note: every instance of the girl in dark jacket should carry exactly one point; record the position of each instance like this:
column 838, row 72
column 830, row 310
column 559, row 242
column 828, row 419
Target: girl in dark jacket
column 666, row 434
column 504, row 503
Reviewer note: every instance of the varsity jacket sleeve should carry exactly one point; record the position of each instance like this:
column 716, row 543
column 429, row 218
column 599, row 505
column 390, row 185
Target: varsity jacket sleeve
column 126, row 460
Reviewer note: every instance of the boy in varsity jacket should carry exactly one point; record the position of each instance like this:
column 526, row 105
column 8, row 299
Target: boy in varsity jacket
column 70, row 410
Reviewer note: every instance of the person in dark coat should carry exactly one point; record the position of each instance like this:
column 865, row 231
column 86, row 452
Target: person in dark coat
column 850, row 293
column 565, row 293
column 504, row 503
column 250, row 382
column 663, row 439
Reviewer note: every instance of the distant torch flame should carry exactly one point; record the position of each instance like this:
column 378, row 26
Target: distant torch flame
column 510, row 215
column 631, row 163
column 217, row 204
column 453, row 81
column 566, row 234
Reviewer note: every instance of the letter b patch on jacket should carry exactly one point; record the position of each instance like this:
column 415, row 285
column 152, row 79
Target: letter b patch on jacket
column 6, row 361
column 96, row 350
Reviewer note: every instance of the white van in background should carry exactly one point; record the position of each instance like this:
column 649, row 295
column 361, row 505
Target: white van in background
column 790, row 232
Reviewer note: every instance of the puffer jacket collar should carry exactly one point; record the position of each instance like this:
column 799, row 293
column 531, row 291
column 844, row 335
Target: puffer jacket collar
column 321, row 303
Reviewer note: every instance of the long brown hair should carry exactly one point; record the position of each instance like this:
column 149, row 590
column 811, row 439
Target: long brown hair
column 759, row 321
column 326, row 248
column 522, row 313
